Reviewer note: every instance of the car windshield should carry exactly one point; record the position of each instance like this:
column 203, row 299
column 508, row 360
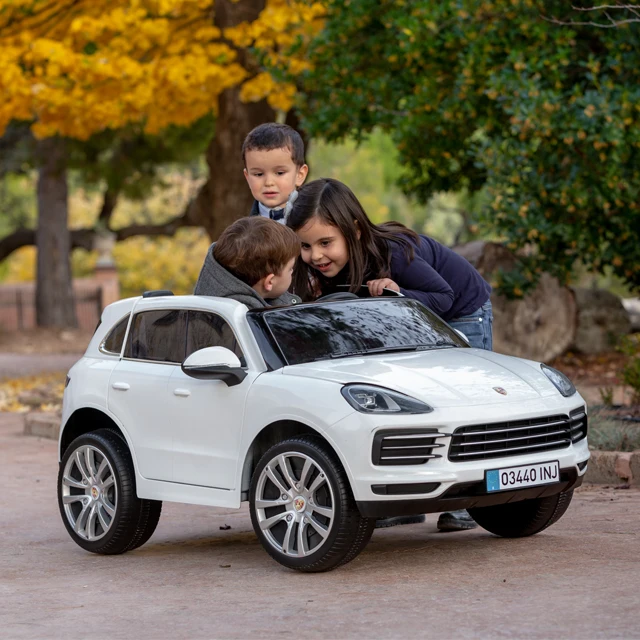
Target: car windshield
column 360, row 327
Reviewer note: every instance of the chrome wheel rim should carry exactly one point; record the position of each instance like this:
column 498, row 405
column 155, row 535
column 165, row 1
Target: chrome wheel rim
column 294, row 504
column 89, row 493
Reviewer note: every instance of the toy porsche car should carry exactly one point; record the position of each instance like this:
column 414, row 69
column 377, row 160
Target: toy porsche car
column 324, row 416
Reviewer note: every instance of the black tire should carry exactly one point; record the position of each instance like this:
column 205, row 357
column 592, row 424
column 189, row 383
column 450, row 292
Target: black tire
column 133, row 520
column 347, row 532
column 147, row 523
column 363, row 535
column 521, row 519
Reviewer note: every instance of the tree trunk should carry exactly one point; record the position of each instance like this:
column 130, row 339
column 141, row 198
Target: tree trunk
column 540, row 326
column 55, row 303
column 225, row 196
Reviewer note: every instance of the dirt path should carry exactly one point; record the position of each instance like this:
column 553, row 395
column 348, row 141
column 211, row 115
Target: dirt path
column 580, row 579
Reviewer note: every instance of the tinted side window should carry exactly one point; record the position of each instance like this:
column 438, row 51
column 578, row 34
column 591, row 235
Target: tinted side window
column 113, row 343
column 210, row 330
column 157, row 335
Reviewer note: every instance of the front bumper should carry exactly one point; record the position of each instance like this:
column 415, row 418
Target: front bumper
column 467, row 495
column 440, row 484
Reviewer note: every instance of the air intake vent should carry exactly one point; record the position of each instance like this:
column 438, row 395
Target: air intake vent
column 578, row 419
column 405, row 446
column 503, row 439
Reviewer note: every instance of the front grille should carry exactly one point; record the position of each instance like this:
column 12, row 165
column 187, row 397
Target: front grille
column 518, row 437
column 405, row 446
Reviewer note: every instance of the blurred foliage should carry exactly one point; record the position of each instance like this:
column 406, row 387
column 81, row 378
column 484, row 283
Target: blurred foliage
column 17, row 203
column 154, row 178
column 142, row 262
column 630, row 347
column 127, row 161
column 608, row 434
column 372, row 169
column 132, row 163
column 487, row 94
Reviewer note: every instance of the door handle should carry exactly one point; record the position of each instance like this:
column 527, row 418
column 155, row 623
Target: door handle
column 121, row 386
column 183, row 393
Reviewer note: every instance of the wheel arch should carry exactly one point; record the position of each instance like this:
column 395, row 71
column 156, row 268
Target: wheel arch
column 86, row 420
column 270, row 435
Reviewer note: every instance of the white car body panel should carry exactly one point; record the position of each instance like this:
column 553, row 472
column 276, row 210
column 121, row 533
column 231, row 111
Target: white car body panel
column 206, row 418
column 450, row 377
column 190, row 438
column 138, row 395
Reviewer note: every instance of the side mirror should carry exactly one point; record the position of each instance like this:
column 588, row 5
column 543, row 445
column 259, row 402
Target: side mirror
column 215, row 363
column 462, row 335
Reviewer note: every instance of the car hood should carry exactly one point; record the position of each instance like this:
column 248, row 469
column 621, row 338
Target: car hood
column 442, row 377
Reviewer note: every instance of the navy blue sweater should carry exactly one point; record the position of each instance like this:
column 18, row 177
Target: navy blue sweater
column 438, row 277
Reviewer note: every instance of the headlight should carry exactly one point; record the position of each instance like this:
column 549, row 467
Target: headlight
column 369, row 399
column 560, row 381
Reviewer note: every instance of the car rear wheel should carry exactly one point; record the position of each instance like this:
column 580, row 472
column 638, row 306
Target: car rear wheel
column 97, row 495
column 302, row 507
column 525, row 518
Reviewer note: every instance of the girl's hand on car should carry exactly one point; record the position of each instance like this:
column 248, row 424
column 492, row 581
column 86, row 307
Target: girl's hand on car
column 376, row 286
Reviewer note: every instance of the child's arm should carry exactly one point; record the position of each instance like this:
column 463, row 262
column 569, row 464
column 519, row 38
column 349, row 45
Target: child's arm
column 419, row 280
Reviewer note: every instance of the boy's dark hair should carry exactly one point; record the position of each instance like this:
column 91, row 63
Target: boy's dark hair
column 252, row 248
column 332, row 202
column 272, row 135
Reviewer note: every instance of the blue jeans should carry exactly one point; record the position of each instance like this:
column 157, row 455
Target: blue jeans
column 477, row 327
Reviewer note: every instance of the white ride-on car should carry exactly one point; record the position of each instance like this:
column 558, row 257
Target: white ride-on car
column 324, row 416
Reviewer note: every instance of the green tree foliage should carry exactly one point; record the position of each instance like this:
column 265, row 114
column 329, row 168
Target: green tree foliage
column 372, row 170
column 493, row 95
column 126, row 162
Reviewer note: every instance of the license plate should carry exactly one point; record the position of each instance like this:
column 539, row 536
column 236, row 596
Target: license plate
column 528, row 475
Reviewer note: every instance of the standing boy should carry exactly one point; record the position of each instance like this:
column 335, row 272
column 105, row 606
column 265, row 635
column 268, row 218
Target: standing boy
column 274, row 167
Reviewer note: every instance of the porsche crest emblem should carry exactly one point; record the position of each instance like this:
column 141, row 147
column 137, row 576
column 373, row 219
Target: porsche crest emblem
column 298, row 504
column 500, row 390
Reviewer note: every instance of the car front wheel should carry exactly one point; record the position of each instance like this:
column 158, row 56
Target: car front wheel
column 524, row 518
column 302, row 507
column 97, row 495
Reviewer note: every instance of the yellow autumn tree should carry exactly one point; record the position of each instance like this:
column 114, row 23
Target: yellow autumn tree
column 74, row 68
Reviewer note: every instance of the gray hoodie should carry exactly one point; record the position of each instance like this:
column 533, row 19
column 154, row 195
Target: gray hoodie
column 215, row 280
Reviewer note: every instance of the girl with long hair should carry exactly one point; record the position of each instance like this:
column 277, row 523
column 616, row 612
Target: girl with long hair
column 341, row 246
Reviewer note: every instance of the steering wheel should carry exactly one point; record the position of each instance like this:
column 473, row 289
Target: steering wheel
column 363, row 292
column 340, row 295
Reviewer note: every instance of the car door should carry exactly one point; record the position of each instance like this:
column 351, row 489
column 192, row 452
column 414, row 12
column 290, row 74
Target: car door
column 139, row 393
column 207, row 413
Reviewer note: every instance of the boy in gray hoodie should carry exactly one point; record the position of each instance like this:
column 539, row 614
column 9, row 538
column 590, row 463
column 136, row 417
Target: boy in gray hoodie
column 252, row 263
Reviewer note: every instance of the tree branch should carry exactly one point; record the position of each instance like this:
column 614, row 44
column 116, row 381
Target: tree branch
column 605, row 8
column 167, row 229
column 16, row 240
column 84, row 238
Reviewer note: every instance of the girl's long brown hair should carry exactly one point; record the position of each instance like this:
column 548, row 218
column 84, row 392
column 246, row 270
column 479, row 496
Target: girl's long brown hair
column 334, row 203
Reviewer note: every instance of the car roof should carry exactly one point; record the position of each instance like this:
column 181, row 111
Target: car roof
column 205, row 303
